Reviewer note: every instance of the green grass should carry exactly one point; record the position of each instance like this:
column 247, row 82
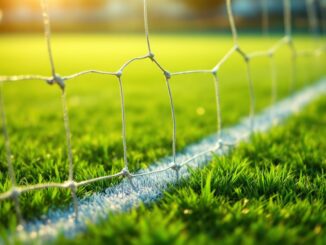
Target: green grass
column 34, row 112
column 269, row 191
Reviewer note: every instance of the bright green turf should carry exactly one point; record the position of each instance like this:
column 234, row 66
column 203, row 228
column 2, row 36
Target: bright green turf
column 35, row 116
column 270, row 191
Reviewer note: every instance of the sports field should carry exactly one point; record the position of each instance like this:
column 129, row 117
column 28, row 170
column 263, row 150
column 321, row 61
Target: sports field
column 36, row 129
column 270, row 191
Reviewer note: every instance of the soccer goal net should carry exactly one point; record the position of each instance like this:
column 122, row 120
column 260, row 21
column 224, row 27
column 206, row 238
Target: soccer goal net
column 15, row 190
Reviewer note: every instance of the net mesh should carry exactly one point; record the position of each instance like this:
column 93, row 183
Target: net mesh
column 287, row 40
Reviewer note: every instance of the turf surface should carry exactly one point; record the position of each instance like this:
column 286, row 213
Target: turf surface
column 269, row 191
column 34, row 111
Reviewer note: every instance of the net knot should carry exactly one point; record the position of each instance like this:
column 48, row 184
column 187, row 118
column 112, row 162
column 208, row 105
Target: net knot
column 151, row 56
column 242, row 53
column 246, row 58
column 15, row 192
column 57, row 79
column 119, row 73
column 71, row 185
column 220, row 143
column 125, row 172
column 176, row 167
column 167, row 74
column 270, row 54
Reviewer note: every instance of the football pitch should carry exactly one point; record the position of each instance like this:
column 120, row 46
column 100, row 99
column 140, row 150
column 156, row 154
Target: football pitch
column 215, row 198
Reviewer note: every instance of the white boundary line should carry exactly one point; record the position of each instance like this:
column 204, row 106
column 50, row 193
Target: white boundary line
column 149, row 188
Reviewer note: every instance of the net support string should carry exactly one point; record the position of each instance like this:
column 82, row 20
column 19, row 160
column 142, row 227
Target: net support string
column 290, row 43
column 47, row 32
column 167, row 76
column 274, row 86
column 176, row 167
column 314, row 27
column 58, row 80
column 246, row 59
column 125, row 171
column 312, row 17
column 218, row 107
column 15, row 191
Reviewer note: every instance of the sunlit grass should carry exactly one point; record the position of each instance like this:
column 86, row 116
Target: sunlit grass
column 34, row 111
column 270, row 191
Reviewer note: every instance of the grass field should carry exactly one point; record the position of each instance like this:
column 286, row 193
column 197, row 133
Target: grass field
column 34, row 112
column 262, row 193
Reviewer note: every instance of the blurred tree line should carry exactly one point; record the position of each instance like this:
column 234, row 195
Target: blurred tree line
column 89, row 4
column 196, row 5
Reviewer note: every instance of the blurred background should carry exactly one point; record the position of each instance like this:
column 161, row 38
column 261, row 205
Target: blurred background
column 168, row 15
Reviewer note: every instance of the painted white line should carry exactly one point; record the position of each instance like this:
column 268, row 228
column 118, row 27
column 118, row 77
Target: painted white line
column 149, row 188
